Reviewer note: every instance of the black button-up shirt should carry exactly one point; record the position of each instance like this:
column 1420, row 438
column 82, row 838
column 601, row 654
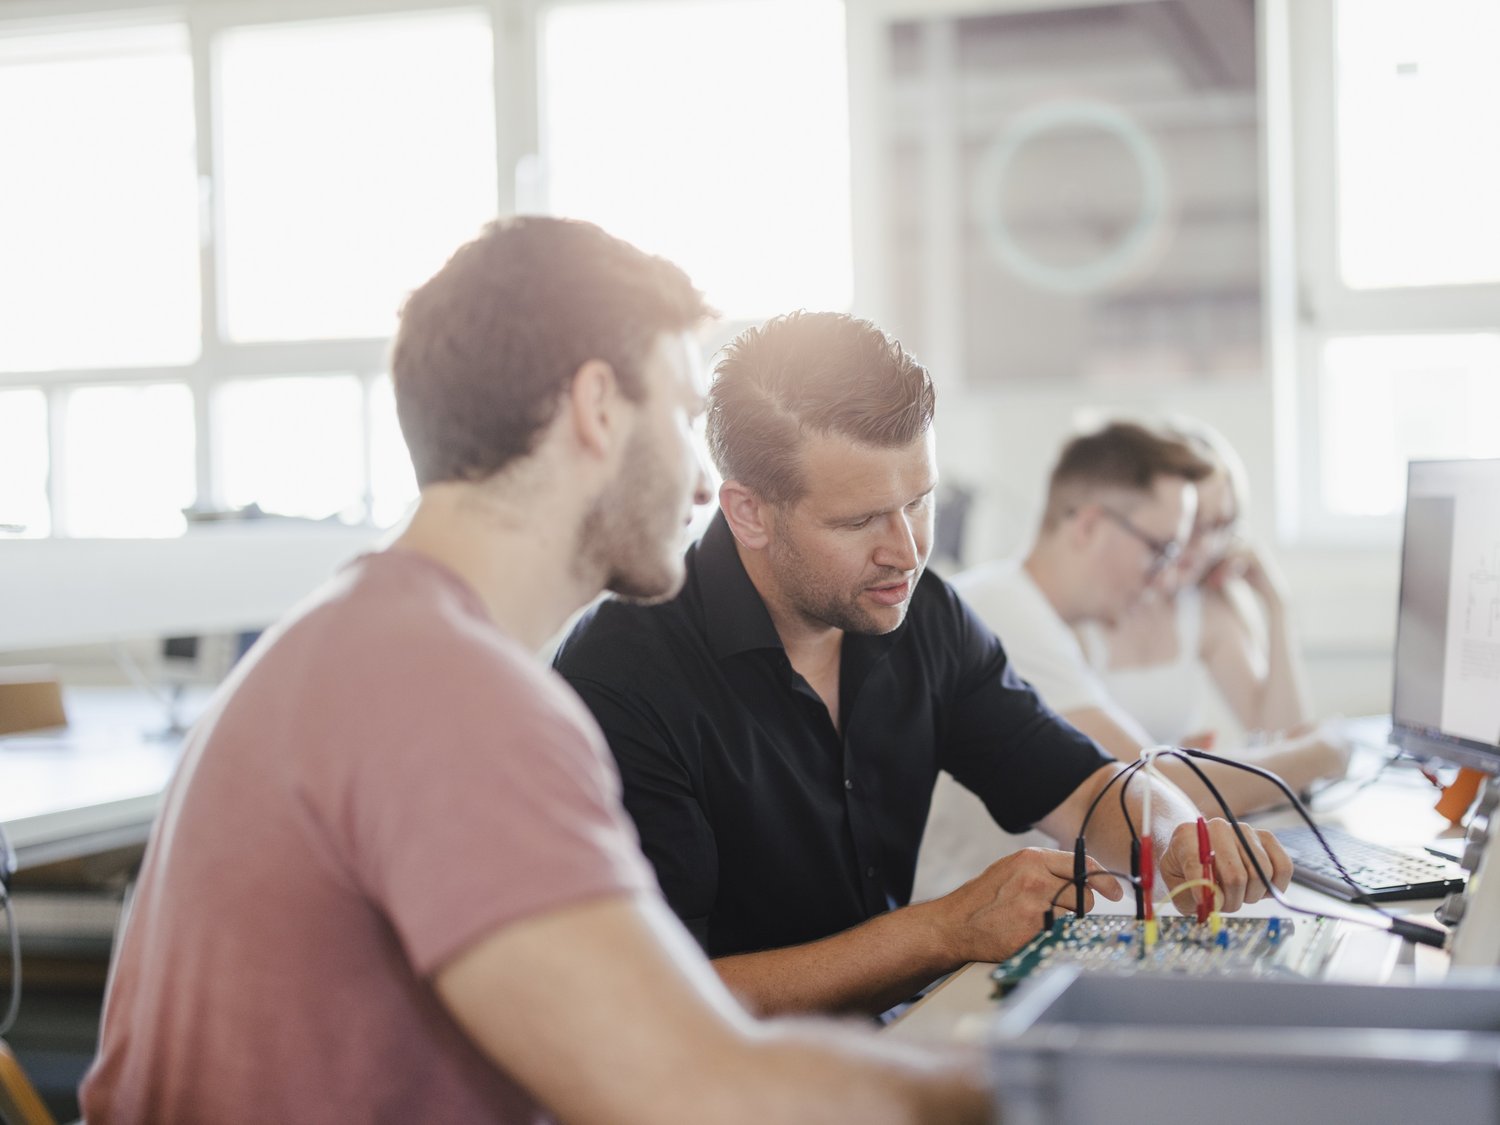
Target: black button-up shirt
column 767, row 825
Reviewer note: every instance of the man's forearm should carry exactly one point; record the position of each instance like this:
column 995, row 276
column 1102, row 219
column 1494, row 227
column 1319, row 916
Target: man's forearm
column 866, row 969
column 1283, row 696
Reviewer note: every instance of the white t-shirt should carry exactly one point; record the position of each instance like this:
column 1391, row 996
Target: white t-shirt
column 1039, row 643
column 1169, row 700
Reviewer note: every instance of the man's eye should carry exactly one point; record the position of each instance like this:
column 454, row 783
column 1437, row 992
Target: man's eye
column 857, row 524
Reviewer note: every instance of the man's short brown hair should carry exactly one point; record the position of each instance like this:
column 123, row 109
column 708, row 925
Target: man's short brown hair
column 810, row 372
column 1123, row 455
column 487, row 347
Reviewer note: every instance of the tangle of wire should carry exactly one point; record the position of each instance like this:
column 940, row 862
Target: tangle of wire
column 1404, row 928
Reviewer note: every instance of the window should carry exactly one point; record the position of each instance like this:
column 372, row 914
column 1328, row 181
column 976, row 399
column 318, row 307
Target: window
column 208, row 222
column 304, row 177
column 356, row 155
column 131, row 464
column 670, row 125
column 292, row 446
column 99, row 222
column 1419, row 170
column 1395, row 104
column 23, row 464
column 1390, row 399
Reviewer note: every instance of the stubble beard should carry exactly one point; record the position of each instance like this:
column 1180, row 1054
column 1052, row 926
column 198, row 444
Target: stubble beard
column 627, row 536
column 818, row 603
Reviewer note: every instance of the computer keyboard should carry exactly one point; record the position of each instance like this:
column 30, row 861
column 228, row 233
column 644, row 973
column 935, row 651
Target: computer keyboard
column 1387, row 874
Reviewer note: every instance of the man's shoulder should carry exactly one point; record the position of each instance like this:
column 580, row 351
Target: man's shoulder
column 1006, row 598
column 996, row 576
column 615, row 637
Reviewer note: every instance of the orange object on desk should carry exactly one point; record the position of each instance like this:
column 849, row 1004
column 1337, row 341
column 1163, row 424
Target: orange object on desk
column 1459, row 795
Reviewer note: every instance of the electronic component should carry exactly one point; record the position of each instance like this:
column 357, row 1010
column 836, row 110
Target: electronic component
column 1118, row 944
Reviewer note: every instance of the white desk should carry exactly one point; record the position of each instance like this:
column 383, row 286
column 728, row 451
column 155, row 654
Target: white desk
column 1396, row 809
column 93, row 785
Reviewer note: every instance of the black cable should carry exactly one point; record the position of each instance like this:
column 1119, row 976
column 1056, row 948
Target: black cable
column 14, row 1008
column 1402, row 927
column 1097, row 871
column 1080, row 875
column 1186, row 754
column 7, row 869
column 1124, row 773
column 1356, row 788
column 1135, row 836
column 1135, row 872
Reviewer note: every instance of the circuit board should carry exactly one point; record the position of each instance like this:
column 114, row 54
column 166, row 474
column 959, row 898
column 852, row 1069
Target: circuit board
column 1117, row 943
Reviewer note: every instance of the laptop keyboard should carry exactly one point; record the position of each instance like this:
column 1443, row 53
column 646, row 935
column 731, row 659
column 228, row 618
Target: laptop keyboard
column 1388, row 874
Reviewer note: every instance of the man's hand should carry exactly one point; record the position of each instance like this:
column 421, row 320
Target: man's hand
column 1232, row 869
column 997, row 912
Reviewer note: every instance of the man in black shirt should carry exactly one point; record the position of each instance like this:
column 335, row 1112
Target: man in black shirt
column 780, row 724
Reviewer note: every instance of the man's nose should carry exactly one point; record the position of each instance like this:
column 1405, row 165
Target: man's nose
column 899, row 548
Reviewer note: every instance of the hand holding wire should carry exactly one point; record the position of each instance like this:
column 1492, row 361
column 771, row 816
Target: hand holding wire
column 1230, row 866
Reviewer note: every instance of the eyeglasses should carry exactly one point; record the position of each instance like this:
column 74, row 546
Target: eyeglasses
column 1220, row 529
column 1164, row 552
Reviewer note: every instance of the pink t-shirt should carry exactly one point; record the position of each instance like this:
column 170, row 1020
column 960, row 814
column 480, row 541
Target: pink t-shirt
column 385, row 779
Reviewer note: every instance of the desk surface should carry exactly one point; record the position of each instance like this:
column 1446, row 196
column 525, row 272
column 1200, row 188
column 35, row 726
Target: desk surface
column 93, row 785
column 1396, row 808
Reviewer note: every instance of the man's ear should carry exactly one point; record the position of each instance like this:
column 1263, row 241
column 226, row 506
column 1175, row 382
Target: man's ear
column 595, row 407
column 749, row 517
column 1082, row 525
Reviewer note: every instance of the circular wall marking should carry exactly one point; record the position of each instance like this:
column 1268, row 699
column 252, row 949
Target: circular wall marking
column 1118, row 260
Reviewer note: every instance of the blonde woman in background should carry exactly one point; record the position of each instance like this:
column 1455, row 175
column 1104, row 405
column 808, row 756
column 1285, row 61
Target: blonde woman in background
column 1221, row 618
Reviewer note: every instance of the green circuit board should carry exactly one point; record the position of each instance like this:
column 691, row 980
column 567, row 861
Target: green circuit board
column 1117, row 943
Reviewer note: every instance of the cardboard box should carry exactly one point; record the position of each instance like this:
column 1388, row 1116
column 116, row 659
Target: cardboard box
column 30, row 699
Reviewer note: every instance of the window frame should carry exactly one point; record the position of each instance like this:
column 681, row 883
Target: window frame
column 1322, row 307
column 220, row 359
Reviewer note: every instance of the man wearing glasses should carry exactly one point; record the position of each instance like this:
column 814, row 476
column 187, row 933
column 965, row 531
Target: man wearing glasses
column 1120, row 508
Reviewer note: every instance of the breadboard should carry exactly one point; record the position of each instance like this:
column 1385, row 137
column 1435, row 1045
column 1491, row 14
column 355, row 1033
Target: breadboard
column 1297, row 947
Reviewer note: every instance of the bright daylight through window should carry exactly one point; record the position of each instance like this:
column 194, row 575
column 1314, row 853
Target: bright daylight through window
column 1416, row 179
column 210, row 224
column 660, row 122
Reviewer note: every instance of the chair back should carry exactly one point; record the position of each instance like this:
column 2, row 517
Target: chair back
column 19, row 1102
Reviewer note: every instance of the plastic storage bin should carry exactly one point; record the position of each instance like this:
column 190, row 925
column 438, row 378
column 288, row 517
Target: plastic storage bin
column 1086, row 1048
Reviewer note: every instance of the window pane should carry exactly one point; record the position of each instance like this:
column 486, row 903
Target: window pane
column 293, row 446
column 357, row 155
column 129, row 468
column 1419, row 164
column 1389, row 399
column 660, row 123
column 98, row 201
column 23, row 464
column 393, row 485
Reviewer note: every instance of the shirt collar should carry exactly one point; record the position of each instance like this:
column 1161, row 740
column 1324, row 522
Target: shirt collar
column 735, row 617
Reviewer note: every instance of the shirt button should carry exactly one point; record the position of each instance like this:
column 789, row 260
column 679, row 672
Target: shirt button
column 848, row 783
column 870, row 871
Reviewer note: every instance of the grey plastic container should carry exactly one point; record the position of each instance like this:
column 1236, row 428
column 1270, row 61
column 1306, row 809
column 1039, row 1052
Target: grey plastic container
column 1073, row 1048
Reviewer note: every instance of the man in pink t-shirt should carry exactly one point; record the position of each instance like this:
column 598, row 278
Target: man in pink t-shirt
column 392, row 880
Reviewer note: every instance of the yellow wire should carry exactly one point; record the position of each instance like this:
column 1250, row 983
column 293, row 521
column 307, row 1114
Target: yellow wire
column 1193, row 884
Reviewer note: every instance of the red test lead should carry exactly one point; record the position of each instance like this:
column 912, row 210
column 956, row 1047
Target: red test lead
column 1206, row 858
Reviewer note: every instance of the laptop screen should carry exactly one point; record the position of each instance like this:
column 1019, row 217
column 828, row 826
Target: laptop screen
column 1446, row 698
